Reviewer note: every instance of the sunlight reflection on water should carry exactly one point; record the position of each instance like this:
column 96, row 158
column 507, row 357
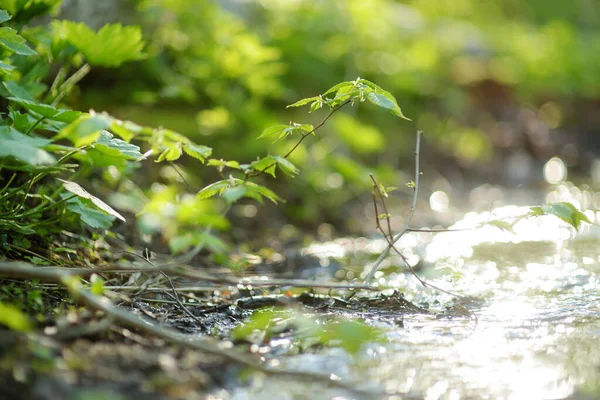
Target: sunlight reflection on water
column 540, row 287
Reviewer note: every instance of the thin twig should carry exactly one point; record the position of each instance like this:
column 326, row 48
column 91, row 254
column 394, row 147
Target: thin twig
column 168, row 278
column 413, row 207
column 304, row 136
column 389, row 236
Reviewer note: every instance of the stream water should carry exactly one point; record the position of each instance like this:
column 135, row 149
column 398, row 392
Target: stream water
column 536, row 334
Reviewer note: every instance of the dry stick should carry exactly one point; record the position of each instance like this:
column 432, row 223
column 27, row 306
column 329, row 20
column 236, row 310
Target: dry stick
column 206, row 344
column 27, row 271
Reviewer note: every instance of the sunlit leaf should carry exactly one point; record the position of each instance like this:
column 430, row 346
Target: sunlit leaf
column 503, row 225
column 111, row 46
column 197, row 151
column 112, row 146
column 565, row 211
column 266, row 164
column 303, row 102
column 13, row 318
column 351, row 335
column 12, row 41
column 191, row 239
column 273, row 130
column 171, row 154
column 216, row 188
column 81, row 192
column 341, row 85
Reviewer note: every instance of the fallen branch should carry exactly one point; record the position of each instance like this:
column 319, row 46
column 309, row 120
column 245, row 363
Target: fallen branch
column 27, row 271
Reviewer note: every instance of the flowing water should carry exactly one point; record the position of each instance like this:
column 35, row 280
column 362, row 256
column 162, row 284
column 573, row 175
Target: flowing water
column 536, row 334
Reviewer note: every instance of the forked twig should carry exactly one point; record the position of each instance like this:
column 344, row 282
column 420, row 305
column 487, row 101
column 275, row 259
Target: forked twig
column 389, row 237
column 411, row 213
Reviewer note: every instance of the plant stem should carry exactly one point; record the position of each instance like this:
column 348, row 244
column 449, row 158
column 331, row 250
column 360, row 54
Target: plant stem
column 304, row 136
column 413, row 207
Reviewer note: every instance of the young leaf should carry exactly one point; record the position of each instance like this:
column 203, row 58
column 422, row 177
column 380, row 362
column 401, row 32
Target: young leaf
column 81, row 192
column 565, row 211
column 171, row 153
column 266, row 164
column 502, row 225
column 12, row 41
column 13, row 318
column 48, row 111
column 197, row 151
column 217, row 188
column 383, row 98
column 341, row 85
column 305, row 101
column 111, row 46
column 25, row 148
column 262, row 191
column 273, row 130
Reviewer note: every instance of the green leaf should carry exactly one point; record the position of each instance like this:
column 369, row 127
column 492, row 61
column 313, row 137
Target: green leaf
column 81, row 192
column 502, row 225
column 266, row 164
column 48, row 111
column 233, row 194
column 25, row 148
column 383, row 98
column 86, row 129
column 88, row 215
column 197, row 151
column 217, row 188
column 12, row 41
column 305, row 101
column 273, row 130
column 112, row 146
column 111, row 46
column 108, row 150
column 341, row 85
column 206, row 240
column 565, row 211
column 4, row 16
column 172, row 153
column 18, row 91
column 97, row 285
column 262, row 191
column 351, row 335
column 14, row 318
column 7, row 67
column 287, row 167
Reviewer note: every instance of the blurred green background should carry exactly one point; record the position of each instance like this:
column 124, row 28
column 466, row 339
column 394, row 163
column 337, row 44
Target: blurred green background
column 499, row 87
